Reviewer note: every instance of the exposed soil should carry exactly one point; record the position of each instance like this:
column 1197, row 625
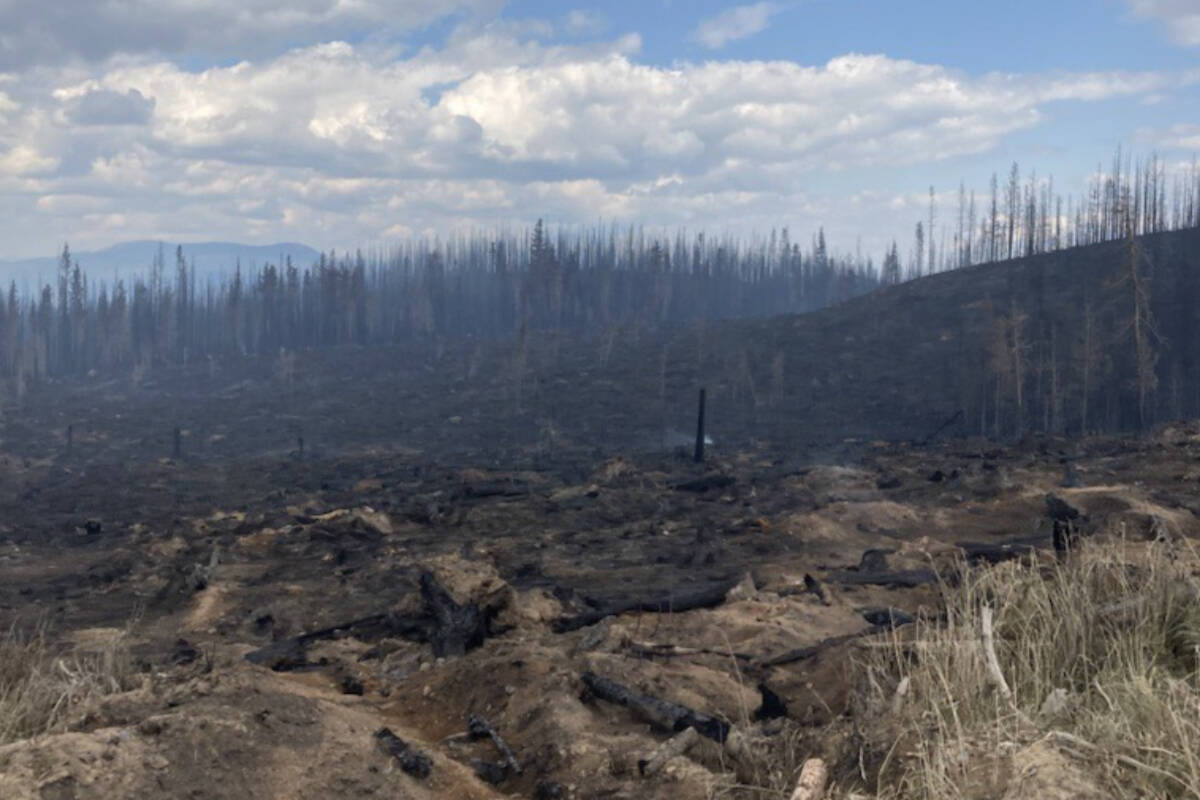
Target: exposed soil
column 248, row 538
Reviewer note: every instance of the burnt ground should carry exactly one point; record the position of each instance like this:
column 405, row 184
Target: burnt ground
column 546, row 517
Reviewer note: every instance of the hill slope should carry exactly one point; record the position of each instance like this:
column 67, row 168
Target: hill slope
column 1034, row 345
column 127, row 258
column 1041, row 344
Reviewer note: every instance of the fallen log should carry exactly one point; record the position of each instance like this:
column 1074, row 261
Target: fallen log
column 705, row 484
column 662, row 714
column 704, row 597
column 411, row 760
column 667, row 650
column 811, row 784
column 808, row 651
column 887, row 617
column 479, row 728
column 975, row 552
column 677, row 745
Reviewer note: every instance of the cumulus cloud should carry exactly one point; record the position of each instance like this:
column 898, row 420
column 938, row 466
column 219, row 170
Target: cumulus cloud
column 61, row 31
column 736, row 23
column 24, row 159
column 1181, row 18
column 342, row 143
column 107, row 107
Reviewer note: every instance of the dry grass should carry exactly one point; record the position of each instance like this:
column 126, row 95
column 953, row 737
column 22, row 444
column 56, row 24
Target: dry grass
column 767, row 770
column 42, row 689
column 1117, row 627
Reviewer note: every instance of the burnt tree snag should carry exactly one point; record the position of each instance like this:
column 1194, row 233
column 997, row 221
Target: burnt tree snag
column 456, row 628
column 662, row 714
column 698, row 457
column 1065, row 518
column 813, row 585
column 448, row 626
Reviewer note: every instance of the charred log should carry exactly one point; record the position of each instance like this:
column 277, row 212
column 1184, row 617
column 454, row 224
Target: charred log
column 479, row 728
column 976, row 552
column 411, row 760
column 704, row 597
column 662, row 714
column 706, row 483
column 808, row 651
column 887, row 617
column 674, row 747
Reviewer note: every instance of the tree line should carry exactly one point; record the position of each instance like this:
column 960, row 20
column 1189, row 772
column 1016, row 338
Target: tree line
column 471, row 286
column 568, row 280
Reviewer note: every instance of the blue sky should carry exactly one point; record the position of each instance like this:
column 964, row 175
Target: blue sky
column 1018, row 35
column 344, row 124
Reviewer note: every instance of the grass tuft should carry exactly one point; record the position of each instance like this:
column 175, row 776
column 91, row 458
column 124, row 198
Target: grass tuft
column 42, row 689
column 1114, row 632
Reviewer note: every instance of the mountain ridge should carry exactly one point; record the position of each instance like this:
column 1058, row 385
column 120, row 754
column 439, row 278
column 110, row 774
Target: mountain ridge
column 211, row 258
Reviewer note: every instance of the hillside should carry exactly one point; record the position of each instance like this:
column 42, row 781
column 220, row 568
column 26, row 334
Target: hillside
column 263, row 548
column 1036, row 345
column 901, row 364
column 210, row 259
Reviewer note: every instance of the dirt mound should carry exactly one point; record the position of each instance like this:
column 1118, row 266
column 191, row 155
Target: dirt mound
column 234, row 733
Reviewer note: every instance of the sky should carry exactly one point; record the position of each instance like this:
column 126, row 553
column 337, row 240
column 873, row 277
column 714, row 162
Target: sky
column 345, row 123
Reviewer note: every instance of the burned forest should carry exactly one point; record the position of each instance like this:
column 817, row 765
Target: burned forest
column 481, row 400
column 442, row 521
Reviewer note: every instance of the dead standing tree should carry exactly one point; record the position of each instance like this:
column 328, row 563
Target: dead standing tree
column 1007, row 350
column 1141, row 328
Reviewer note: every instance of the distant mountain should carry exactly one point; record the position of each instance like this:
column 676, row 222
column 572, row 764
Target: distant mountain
column 134, row 258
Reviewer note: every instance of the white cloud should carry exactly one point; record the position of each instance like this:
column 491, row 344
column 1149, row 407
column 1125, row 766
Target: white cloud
column 735, row 23
column 24, row 159
column 1181, row 136
column 107, row 107
column 340, row 144
column 1181, row 17
column 61, row 31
